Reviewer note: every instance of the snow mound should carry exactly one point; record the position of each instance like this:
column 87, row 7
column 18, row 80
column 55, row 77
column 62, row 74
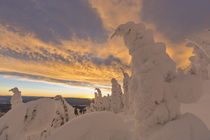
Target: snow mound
column 94, row 126
column 34, row 120
column 187, row 127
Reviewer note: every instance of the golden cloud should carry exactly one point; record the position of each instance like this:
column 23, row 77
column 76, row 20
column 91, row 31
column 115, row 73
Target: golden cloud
column 115, row 12
column 77, row 60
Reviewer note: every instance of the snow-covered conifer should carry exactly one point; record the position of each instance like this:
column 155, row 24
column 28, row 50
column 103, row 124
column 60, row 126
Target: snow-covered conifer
column 116, row 98
column 155, row 89
column 125, row 89
column 16, row 98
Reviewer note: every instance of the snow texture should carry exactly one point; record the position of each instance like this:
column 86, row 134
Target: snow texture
column 94, row 126
column 187, row 127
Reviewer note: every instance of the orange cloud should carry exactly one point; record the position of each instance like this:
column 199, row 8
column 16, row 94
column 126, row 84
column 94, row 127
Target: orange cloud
column 69, row 60
column 115, row 12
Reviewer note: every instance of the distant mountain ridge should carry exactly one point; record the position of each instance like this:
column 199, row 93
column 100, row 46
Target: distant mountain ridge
column 71, row 101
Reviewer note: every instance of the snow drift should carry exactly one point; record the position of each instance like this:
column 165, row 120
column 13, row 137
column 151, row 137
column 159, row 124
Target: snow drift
column 186, row 127
column 94, row 126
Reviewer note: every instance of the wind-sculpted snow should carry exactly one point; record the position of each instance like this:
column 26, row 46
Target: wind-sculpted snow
column 155, row 89
column 16, row 98
column 35, row 120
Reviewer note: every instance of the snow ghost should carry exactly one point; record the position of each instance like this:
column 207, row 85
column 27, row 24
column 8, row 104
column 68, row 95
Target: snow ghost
column 155, row 89
column 16, row 98
column 100, row 103
column 151, row 71
column 125, row 90
column 116, row 98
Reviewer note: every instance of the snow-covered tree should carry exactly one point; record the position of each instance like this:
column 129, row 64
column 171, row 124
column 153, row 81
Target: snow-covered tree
column 64, row 113
column 100, row 103
column 201, row 58
column 155, row 89
column 116, row 97
column 35, row 120
column 16, row 98
column 108, row 103
column 125, row 90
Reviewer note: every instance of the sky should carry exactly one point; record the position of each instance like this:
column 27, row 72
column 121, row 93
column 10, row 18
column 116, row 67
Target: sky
column 50, row 47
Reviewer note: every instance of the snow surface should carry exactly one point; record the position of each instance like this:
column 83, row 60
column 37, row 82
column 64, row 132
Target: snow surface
column 200, row 108
column 187, row 127
column 94, row 126
column 110, row 126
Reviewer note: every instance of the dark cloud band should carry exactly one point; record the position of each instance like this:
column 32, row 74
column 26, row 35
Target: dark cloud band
column 52, row 20
column 177, row 19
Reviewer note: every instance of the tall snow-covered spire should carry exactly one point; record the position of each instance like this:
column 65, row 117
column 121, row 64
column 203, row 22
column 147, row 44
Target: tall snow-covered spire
column 116, row 98
column 16, row 98
column 125, row 89
column 201, row 59
column 150, row 68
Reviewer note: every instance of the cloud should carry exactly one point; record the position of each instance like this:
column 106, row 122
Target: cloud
column 116, row 12
column 84, row 61
column 43, row 78
column 66, row 41
column 176, row 19
column 52, row 20
column 43, row 55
